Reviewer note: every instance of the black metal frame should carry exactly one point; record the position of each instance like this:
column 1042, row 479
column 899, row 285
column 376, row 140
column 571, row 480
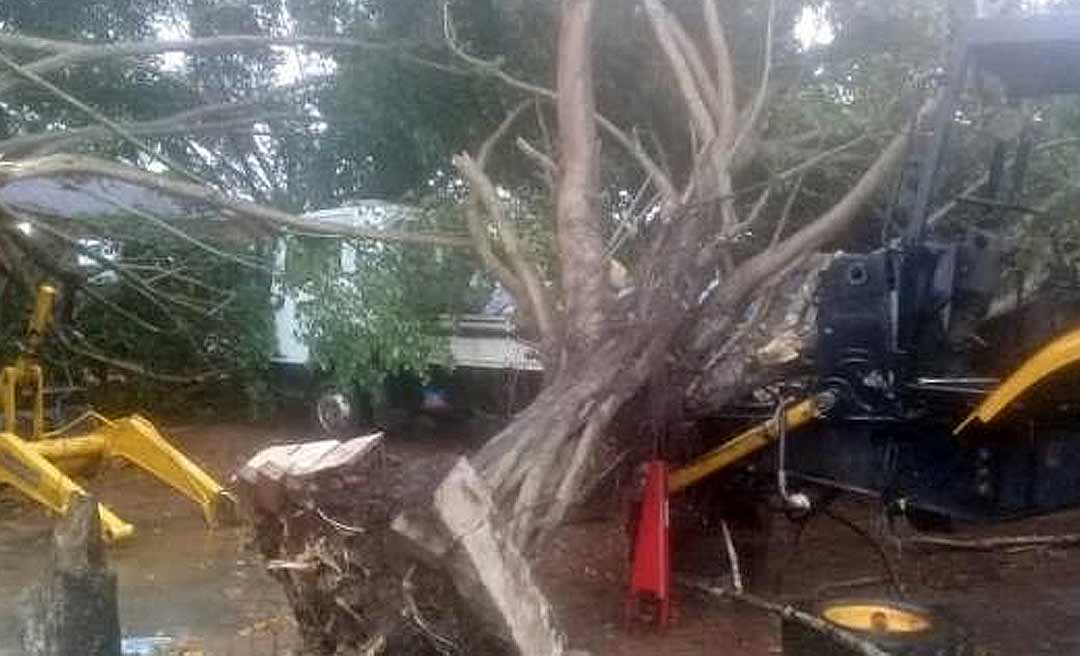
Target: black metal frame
column 887, row 320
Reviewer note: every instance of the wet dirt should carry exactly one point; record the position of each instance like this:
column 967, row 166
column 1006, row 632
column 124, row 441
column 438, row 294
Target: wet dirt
column 208, row 588
column 204, row 588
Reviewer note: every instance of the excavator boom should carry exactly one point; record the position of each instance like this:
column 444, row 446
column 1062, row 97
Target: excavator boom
column 38, row 466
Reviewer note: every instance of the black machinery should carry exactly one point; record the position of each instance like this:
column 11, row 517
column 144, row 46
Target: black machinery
column 898, row 363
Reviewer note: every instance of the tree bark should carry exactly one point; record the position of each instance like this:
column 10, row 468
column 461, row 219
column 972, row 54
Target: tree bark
column 582, row 262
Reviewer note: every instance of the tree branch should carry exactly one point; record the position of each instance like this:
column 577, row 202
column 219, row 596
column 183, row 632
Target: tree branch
column 548, row 168
column 725, row 73
column 993, row 543
column 180, row 234
column 758, row 104
column 661, row 22
column 846, row 638
column 190, row 120
column 61, row 166
column 97, row 116
column 632, row 146
column 25, row 42
column 759, row 268
column 521, row 276
column 582, row 262
column 73, row 53
column 526, row 272
column 781, row 223
column 133, row 367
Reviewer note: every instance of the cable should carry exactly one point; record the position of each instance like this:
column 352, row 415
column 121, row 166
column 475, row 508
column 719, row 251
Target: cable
column 797, row 501
column 894, row 577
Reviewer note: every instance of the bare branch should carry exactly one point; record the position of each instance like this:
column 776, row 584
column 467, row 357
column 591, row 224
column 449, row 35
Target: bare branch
column 850, row 641
column 180, row 234
column 725, row 72
column 60, row 166
column 495, row 137
column 525, row 271
column 73, row 53
column 521, row 278
column 97, row 116
column 996, row 542
column 12, row 41
column 632, row 146
column 759, row 268
column 824, row 155
column 225, row 116
column 548, row 168
column 122, row 312
column 91, row 353
column 12, row 240
column 781, row 223
column 758, row 104
column 159, row 299
column 478, row 230
column 661, row 22
column 759, row 206
column 839, row 216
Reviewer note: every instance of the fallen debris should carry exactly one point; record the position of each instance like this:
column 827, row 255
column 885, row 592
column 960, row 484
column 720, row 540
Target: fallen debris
column 842, row 637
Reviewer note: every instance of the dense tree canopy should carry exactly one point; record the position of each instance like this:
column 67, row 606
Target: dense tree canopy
column 304, row 105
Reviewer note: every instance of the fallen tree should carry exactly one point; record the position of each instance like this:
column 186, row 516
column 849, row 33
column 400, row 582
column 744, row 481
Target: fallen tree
column 718, row 296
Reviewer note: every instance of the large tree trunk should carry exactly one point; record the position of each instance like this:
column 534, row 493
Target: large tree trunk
column 583, row 263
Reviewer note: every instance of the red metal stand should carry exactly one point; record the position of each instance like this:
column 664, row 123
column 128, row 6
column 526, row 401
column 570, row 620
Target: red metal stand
column 651, row 575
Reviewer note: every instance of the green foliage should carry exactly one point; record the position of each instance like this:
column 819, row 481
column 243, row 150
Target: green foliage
column 212, row 315
column 384, row 126
column 386, row 315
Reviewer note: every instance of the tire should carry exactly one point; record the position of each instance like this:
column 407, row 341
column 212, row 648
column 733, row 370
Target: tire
column 898, row 628
column 336, row 412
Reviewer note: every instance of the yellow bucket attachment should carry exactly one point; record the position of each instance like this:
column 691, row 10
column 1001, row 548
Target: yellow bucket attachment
column 29, row 467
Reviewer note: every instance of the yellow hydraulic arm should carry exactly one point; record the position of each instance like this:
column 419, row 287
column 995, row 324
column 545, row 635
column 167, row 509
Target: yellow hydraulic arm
column 1058, row 354
column 26, row 367
column 23, row 468
column 36, row 466
column 136, row 440
column 1053, row 357
column 750, row 441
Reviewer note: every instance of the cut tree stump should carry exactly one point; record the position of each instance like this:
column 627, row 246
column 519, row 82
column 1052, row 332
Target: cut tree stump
column 323, row 513
column 73, row 610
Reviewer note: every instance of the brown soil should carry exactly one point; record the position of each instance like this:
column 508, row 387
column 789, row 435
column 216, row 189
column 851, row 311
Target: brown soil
column 209, row 588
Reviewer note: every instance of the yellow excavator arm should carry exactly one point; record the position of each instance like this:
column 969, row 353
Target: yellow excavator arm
column 37, row 466
column 1053, row 357
column 750, row 441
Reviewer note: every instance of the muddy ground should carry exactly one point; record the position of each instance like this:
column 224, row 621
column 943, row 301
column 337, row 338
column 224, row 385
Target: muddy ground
column 209, row 591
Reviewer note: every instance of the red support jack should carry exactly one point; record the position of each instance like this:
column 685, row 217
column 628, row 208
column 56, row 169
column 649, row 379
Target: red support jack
column 650, row 578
